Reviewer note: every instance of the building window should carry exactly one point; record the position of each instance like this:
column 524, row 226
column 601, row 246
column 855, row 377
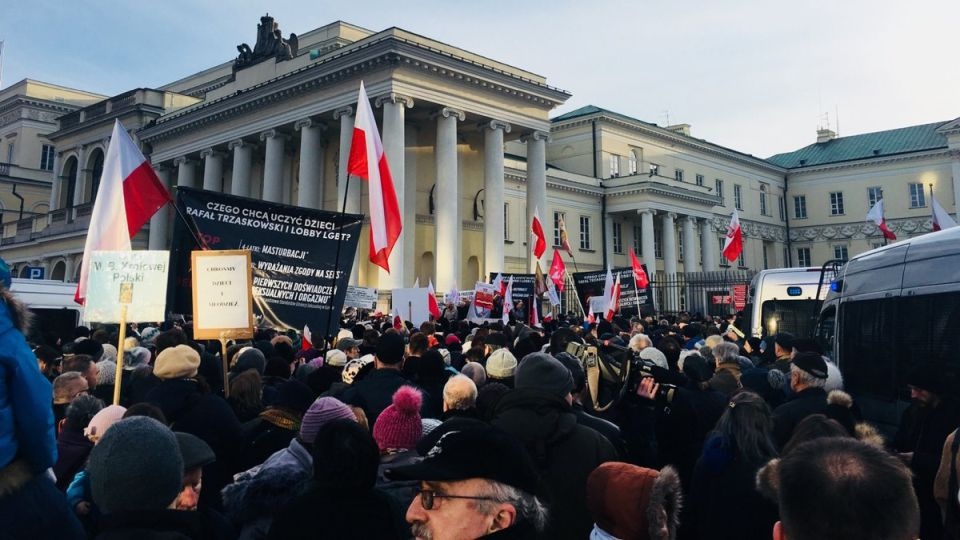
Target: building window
column 786, row 256
column 876, row 245
column 783, row 208
column 678, row 175
column 46, row 158
column 737, row 197
column 840, row 252
column 803, row 256
column 741, row 262
column 766, row 256
column 874, row 194
column 800, row 206
column 836, row 203
column 718, row 187
column 632, row 164
column 557, row 222
column 723, row 260
column 700, row 180
column 585, row 232
column 506, row 221
column 657, row 243
column 654, row 170
column 637, row 240
column 763, row 200
column 917, row 199
column 10, row 153
column 614, row 165
column 617, row 237
column 680, row 247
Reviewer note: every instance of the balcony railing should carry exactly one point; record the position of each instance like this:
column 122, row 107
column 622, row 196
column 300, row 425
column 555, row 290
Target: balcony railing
column 58, row 222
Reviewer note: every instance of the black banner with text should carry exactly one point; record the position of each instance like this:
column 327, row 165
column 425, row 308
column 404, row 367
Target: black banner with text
column 297, row 278
column 590, row 285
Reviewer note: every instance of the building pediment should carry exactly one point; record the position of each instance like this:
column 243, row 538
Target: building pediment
column 640, row 185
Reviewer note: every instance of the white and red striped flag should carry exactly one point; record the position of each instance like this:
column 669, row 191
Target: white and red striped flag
column 365, row 151
column 733, row 245
column 130, row 193
column 507, row 302
column 432, row 301
column 500, row 285
column 534, row 312
column 941, row 218
column 306, row 341
column 540, row 239
column 613, row 304
column 875, row 215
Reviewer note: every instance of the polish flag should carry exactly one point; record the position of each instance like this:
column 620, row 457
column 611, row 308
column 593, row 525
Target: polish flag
column 557, row 270
column 534, row 312
column 639, row 276
column 500, row 285
column 875, row 215
column 507, row 301
column 590, row 318
column 397, row 321
column 130, row 193
column 306, row 341
column 613, row 305
column 733, row 246
column 365, row 151
column 432, row 301
column 941, row 218
column 540, row 243
column 608, row 286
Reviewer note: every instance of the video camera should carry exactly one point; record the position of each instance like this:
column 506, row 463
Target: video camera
column 616, row 373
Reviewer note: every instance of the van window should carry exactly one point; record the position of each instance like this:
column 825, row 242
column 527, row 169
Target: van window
column 928, row 331
column 826, row 329
column 868, row 358
column 58, row 322
column 794, row 316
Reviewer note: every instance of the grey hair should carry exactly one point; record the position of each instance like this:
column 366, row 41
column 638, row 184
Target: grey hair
column 807, row 378
column 460, row 392
column 726, row 353
column 637, row 340
column 529, row 507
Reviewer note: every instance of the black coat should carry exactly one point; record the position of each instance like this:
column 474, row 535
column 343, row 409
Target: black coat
column 374, row 393
column 263, row 438
column 162, row 525
column 328, row 512
column 801, row 405
column 604, row 427
column 565, row 453
column 210, row 418
column 73, row 448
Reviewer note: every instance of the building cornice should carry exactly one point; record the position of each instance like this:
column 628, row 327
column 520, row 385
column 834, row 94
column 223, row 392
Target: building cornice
column 871, row 162
column 664, row 190
column 859, row 230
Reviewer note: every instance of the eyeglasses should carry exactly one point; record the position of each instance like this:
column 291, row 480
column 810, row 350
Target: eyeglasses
column 427, row 497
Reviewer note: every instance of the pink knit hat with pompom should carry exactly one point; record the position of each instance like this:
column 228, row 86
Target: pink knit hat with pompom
column 398, row 427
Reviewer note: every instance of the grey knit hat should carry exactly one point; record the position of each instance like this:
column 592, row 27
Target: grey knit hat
column 135, row 466
column 540, row 371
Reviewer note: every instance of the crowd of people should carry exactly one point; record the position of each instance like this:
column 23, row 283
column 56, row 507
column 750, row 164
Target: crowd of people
column 458, row 430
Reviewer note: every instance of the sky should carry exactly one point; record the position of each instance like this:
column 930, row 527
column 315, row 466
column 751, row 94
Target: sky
column 759, row 76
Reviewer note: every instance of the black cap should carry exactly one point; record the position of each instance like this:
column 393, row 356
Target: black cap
column 812, row 363
column 784, row 340
column 390, row 348
column 927, row 376
column 89, row 347
column 474, row 453
column 496, row 338
column 195, row 452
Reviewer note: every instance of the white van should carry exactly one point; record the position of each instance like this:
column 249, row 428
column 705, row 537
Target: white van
column 785, row 300
column 890, row 310
column 52, row 305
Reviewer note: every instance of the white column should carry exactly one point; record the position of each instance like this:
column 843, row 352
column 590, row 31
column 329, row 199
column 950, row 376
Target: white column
column 273, row 165
column 447, row 223
column 352, row 195
column 312, row 155
column 608, row 239
column 708, row 246
column 212, row 169
column 394, row 147
column 668, row 239
column 81, row 176
column 160, row 222
column 55, row 184
column 69, row 268
column 242, row 160
column 647, row 241
column 186, row 172
column 689, row 244
column 536, row 184
column 493, row 224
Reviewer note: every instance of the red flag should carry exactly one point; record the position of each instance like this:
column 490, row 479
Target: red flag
column 397, row 321
column 130, row 193
column 499, row 284
column 365, row 151
column 613, row 305
column 540, row 243
column 639, row 276
column 432, row 301
column 306, row 341
column 733, row 246
column 557, row 270
column 875, row 215
column 564, row 239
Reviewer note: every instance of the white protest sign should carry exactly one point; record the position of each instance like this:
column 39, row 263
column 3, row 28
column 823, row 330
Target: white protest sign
column 360, row 297
column 411, row 304
column 143, row 274
column 222, row 294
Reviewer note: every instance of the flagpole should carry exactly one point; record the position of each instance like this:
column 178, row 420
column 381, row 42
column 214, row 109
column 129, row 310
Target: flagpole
column 336, row 263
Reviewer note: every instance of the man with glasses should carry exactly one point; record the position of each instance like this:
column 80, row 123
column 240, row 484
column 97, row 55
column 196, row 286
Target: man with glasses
column 478, row 483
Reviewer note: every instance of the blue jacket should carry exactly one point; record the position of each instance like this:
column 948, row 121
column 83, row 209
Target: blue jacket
column 26, row 416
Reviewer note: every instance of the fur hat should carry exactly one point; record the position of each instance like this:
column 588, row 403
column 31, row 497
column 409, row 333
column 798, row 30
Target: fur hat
column 136, row 466
column 399, row 425
column 109, row 353
column 136, row 357
column 322, row 411
column 501, row 364
column 647, row 490
column 108, row 372
column 177, row 362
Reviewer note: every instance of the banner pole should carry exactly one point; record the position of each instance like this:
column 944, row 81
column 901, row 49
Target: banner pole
column 119, row 370
column 226, row 367
column 336, row 263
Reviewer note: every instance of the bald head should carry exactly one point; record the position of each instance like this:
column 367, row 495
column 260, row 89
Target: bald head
column 460, row 393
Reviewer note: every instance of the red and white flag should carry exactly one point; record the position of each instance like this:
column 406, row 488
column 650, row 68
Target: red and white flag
column 557, row 270
column 397, row 320
column 368, row 162
column 306, row 341
column 613, row 305
column 499, row 285
column 540, row 239
column 507, row 301
column 733, row 245
column 607, row 286
column 564, row 239
column 130, row 193
column 590, row 318
column 941, row 218
column 875, row 215
column 432, row 301
column 534, row 312
column 639, row 276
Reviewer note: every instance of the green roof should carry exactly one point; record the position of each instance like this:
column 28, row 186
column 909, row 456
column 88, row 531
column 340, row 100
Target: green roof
column 868, row 145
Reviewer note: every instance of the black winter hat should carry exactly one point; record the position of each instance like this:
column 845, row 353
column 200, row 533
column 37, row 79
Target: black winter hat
column 194, row 451
column 390, row 349
column 927, row 377
column 784, row 340
column 294, row 395
column 89, row 347
column 541, row 371
column 812, row 363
